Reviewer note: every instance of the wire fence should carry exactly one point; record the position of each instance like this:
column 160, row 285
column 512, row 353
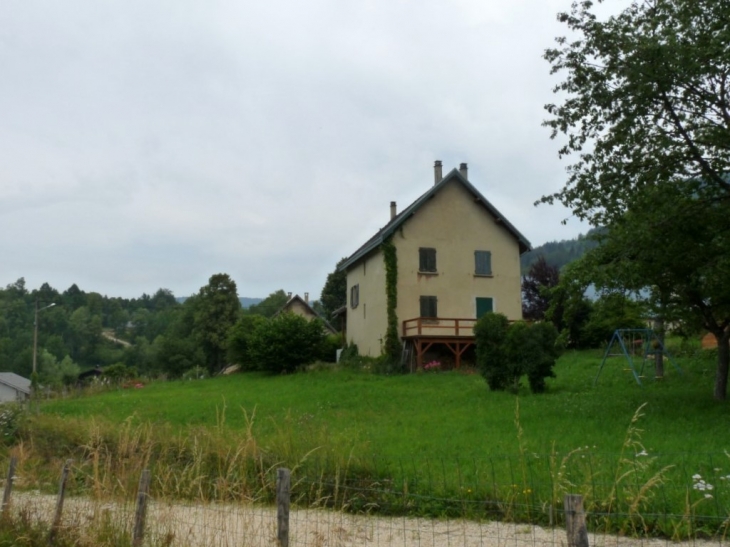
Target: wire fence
column 301, row 519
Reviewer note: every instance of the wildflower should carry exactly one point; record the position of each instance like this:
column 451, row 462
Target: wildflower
column 696, row 476
column 642, row 453
column 708, row 496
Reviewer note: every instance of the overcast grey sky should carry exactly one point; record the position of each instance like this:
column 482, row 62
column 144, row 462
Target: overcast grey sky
column 153, row 143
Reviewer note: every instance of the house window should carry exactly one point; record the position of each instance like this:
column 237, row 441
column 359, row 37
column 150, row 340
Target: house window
column 427, row 260
column 428, row 306
column 484, row 305
column 354, row 296
column 483, row 262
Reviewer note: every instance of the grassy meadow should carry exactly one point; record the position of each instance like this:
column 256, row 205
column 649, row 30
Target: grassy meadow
column 438, row 443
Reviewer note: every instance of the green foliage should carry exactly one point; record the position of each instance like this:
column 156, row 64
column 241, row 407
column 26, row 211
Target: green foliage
column 176, row 354
column 10, row 418
column 612, row 311
column 536, row 285
column 490, row 333
column 119, row 372
column 648, row 121
column 239, row 340
column 334, row 292
column 330, row 345
column 392, row 347
column 507, row 352
column 195, row 373
column 270, row 305
column 217, row 309
column 650, row 108
column 285, row 343
column 54, row 374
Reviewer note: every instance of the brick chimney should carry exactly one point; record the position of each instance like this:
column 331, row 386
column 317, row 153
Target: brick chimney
column 437, row 173
column 464, row 170
column 393, row 211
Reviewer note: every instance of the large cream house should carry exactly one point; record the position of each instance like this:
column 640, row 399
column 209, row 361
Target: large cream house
column 457, row 258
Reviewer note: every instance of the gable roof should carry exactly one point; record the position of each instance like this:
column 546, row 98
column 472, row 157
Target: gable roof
column 387, row 230
column 15, row 381
column 309, row 308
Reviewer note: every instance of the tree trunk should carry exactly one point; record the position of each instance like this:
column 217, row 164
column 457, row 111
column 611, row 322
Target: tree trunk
column 723, row 356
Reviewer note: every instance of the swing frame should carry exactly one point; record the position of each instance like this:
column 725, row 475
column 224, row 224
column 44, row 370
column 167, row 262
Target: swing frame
column 651, row 345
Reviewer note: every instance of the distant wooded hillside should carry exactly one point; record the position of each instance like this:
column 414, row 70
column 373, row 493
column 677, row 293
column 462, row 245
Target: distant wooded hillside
column 246, row 302
column 560, row 253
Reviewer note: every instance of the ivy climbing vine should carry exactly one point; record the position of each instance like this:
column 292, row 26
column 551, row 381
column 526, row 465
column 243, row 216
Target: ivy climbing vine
column 393, row 348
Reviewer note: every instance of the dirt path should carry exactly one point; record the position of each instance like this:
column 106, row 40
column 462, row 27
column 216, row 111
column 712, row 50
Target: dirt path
column 246, row 525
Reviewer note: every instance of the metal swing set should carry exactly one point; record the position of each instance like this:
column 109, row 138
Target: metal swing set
column 644, row 342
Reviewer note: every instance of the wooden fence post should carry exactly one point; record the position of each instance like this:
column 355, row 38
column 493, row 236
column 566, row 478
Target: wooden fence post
column 575, row 521
column 141, row 512
column 9, row 484
column 283, row 498
column 59, row 504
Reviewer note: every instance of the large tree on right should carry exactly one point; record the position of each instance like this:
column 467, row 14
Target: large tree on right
column 645, row 113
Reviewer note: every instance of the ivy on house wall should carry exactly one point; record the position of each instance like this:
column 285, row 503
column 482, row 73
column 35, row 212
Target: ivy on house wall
column 393, row 348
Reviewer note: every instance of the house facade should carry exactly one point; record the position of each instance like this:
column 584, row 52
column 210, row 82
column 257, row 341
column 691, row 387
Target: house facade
column 457, row 258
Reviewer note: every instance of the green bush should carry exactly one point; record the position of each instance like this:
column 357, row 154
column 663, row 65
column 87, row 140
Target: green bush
column 610, row 312
column 490, row 333
column 119, row 372
column 239, row 340
column 330, row 345
column 507, row 352
column 285, row 343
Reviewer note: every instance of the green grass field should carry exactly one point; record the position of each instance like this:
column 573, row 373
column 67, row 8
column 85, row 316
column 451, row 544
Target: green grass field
column 446, row 435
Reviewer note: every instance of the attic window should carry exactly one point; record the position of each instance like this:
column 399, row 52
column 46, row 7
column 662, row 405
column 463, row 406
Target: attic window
column 427, row 260
column 354, row 296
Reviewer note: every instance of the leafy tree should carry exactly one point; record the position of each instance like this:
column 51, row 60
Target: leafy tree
column 676, row 252
column 334, row 292
column 239, row 340
column 646, row 109
column 286, row 343
column 270, row 305
column 217, row 308
column 535, row 289
column 645, row 102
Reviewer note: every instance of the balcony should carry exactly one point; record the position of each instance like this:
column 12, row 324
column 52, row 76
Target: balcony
column 421, row 333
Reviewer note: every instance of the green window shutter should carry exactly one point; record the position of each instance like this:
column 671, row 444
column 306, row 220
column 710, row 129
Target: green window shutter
column 426, row 259
column 428, row 306
column 484, row 305
column 483, row 262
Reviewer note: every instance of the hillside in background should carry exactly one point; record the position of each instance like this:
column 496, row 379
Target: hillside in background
column 560, row 253
column 246, row 302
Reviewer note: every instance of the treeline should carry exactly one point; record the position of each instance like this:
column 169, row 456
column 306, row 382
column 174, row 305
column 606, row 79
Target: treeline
column 560, row 253
column 153, row 335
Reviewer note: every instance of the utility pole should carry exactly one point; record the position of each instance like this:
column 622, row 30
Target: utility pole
column 35, row 333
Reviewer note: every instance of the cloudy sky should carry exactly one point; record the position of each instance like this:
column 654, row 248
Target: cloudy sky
column 153, row 143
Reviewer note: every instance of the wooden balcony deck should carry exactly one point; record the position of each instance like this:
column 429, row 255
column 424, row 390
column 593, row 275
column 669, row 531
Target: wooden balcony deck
column 456, row 333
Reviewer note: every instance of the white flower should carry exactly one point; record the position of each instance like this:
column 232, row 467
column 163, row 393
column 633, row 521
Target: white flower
column 642, row 453
column 708, row 496
column 696, row 476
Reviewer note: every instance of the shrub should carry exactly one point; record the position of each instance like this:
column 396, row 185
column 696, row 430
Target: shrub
column 490, row 333
column 285, row 343
column 239, row 340
column 330, row 345
column 119, row 372
column 507, row 352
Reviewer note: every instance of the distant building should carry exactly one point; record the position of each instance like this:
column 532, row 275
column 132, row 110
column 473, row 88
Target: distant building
column 300, row 306
column 13, row 388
